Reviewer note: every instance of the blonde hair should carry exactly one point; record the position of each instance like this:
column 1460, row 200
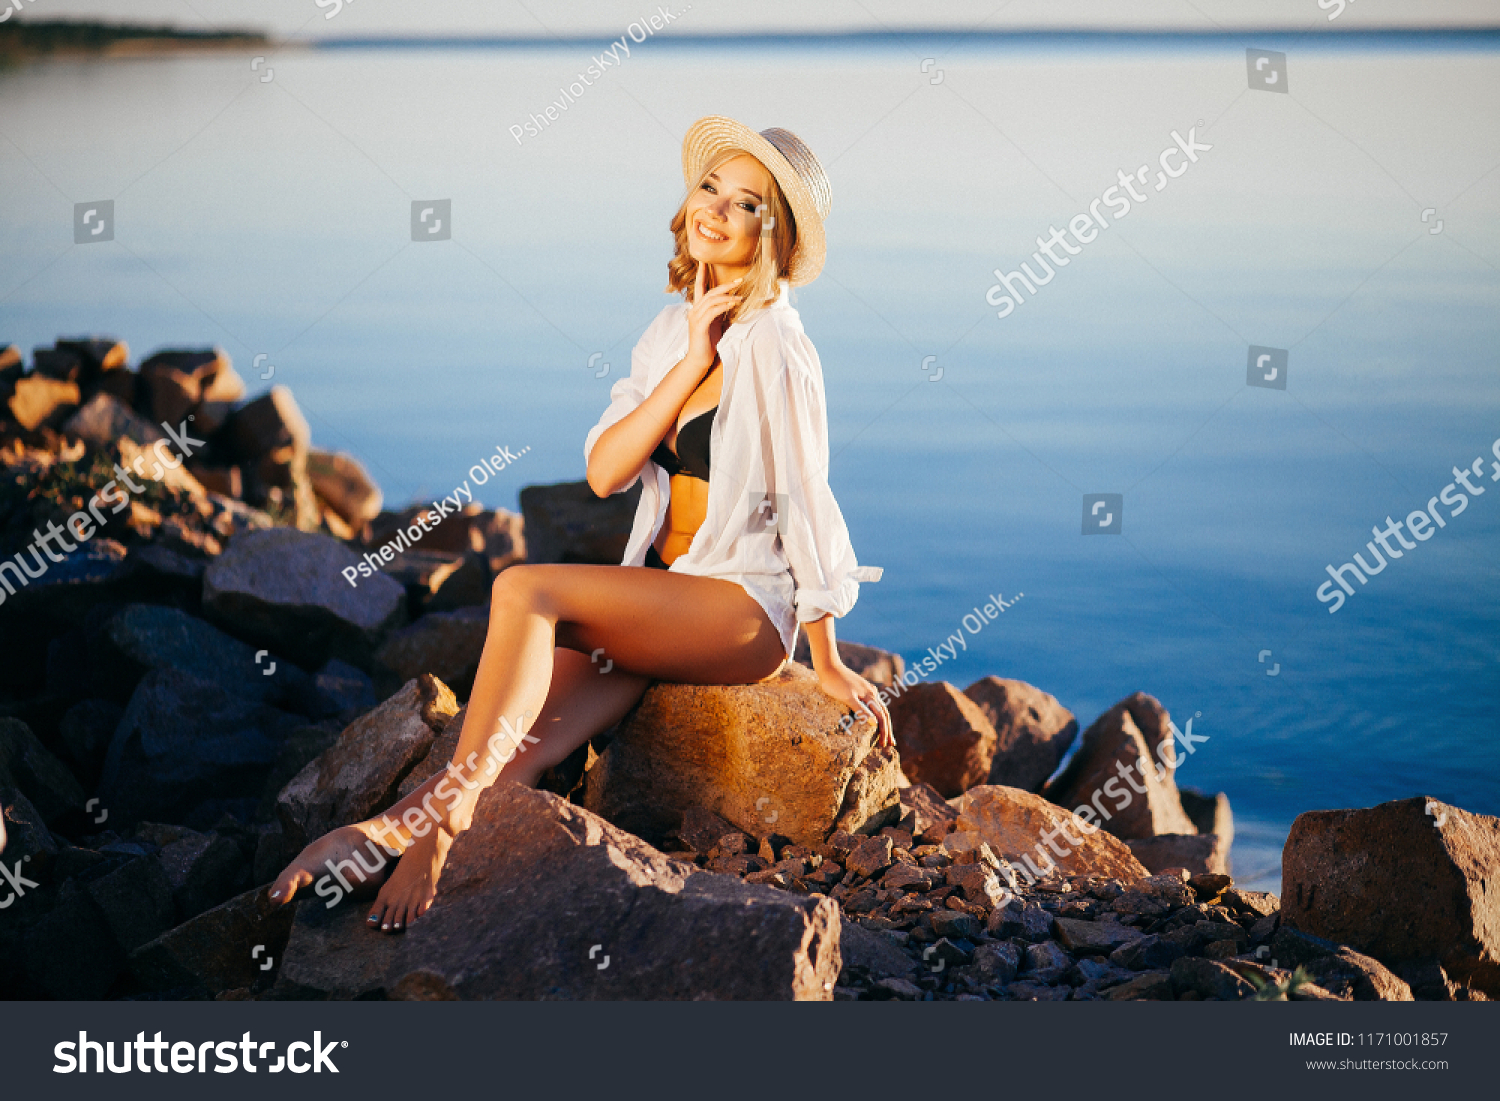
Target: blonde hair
column 768, row 265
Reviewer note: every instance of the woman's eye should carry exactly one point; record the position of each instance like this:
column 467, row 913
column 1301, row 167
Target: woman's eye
column 706, row 186
column 751, row 207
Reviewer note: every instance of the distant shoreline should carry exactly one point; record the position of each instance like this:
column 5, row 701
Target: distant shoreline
column 25, row 40
column 72, row 40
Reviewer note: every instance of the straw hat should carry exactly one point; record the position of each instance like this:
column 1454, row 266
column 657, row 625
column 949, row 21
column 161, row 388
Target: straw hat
column 797, row 171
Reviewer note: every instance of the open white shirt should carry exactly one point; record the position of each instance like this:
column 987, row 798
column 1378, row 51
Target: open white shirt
column 772, row 525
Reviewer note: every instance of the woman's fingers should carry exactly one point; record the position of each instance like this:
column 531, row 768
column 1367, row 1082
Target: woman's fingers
column 699, row 279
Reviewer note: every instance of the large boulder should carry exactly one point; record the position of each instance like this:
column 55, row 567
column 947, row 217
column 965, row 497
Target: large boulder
column 567, row 522
column 1408, row 880
column 141, row 637
column 1033, row 732
column 360, row 773
column 771, row 757
column 184, row 740
column 589, row 912
column 1123, row 773
column 287, row 591
column 1038, row 838
column 943, row 736
column 445, row 644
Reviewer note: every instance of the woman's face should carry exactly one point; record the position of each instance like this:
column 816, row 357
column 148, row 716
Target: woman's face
column 722, row 225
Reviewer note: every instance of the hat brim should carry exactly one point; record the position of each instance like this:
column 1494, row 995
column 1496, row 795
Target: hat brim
column 714, row 134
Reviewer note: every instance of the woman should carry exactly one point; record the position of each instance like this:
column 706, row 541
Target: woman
column 734, row 558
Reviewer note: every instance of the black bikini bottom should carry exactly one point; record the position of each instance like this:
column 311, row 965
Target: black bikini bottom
column 654, row 560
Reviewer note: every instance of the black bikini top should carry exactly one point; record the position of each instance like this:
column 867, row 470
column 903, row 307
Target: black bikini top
column 693, row 448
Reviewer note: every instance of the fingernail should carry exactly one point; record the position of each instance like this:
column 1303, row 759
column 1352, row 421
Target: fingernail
column 398, row 925
column 373, row 917
column 275, row 894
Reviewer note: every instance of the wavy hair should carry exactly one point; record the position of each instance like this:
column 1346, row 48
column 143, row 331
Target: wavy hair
column 767, row 266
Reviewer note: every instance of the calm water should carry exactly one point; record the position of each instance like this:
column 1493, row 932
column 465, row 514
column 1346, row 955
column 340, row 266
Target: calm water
column 273, row 217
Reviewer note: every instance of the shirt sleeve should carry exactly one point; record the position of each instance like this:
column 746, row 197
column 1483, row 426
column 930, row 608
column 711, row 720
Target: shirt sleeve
column 813, row 535
column 628, row 393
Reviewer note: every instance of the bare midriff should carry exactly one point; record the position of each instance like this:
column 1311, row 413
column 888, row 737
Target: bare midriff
column 687, row 504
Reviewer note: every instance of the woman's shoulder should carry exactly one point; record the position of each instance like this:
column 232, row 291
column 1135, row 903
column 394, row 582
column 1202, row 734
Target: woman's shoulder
column 775, row 337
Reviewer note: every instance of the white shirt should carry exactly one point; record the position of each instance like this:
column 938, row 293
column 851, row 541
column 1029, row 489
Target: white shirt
column 772, row 525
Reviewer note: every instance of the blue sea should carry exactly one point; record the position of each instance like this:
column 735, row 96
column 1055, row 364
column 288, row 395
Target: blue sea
column 1351, row 221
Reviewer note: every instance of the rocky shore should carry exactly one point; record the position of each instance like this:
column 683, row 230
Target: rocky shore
column 197, row 679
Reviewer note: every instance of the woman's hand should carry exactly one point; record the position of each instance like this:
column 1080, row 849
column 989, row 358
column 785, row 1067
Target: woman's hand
column 852, row 690
column 705, row 320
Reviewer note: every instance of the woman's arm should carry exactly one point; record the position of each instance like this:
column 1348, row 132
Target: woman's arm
column 623, row 448
column 843, row 683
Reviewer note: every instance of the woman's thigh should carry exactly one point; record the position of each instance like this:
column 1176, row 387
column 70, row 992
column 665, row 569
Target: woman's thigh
column 664, row 625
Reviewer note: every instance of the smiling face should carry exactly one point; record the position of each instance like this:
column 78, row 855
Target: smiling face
column 723, row 227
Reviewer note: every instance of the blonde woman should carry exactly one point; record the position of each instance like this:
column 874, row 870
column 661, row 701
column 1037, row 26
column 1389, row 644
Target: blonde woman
column 736, row 541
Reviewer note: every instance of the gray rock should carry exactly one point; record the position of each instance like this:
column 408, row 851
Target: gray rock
column 1352, row 974
column 104, row 418
column 998, row 961
column 1150, row 953
column 954, row 925
column 136, row 901
column 1210, row 979
column 203, row 870
column 343, row 692
column 286, row 590
column 361, row 772
column 870, row 955
column 1153, row 986
column 445, row 644
column 184, row 740
column 1101, row 937
column 574, row 890
column 1025, row 920
column 142, row 637
column 1046, row 962
column 333, row 954
column 217, row 950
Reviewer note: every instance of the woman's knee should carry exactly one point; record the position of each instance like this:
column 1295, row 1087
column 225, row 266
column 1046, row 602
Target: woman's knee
column 517, row 588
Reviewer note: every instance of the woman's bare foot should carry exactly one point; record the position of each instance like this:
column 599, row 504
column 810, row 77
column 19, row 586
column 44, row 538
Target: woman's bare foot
column 410, row 890
column 355, row 851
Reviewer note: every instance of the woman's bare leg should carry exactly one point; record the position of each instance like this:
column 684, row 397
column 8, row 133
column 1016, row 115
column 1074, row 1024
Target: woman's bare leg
column 581, row 701
column 646, row 623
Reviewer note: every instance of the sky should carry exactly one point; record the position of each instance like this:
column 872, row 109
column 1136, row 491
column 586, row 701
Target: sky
column 608, row 18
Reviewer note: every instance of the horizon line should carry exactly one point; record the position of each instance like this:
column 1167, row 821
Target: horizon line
column 1322, row 35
